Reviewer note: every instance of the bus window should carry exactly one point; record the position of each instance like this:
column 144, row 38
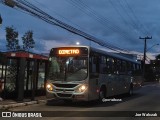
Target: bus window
column 110, row 65
column 54, row 65
column 115, row 68
column 129, row 66
column 103, row 59
column 103, row 64
column 123, row 66
column 68, row 68
column 134, row 67
column 95, row 64
column 119, row 65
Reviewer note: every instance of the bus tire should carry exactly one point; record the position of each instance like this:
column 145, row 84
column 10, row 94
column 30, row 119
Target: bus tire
column 130, row 92
column 102, row 93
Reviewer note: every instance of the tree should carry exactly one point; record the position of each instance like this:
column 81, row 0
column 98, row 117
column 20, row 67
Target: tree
column 28, row 41
column 158, row 57
column 12, row 39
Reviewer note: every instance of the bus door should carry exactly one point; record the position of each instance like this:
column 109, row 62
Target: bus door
column 111, row 85
column 94, row 77
column 111, row 78
column 93, row 86
column 117, row 84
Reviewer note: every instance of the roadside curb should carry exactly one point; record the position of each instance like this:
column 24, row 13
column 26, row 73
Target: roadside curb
column 5, row 107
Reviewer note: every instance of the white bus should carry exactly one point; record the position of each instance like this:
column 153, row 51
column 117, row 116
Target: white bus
column 82, row 73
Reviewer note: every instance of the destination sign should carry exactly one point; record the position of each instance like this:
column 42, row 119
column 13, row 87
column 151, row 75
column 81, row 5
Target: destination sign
column 68, row 51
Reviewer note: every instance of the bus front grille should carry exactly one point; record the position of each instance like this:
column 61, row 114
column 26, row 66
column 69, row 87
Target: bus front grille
column 65, row 85
column 62, row 90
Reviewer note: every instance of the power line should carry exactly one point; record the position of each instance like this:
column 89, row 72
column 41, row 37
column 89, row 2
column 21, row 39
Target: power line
column 107, row 24
column 136, row 18
column 116, row 9
column 124, row 8
column 38, row 13
column 132, row 24
column 68, row 20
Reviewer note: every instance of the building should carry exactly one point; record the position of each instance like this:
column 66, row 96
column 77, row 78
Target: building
column 155, row 67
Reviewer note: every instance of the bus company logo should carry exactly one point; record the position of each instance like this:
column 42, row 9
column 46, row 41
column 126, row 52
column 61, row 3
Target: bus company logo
column 6, row 114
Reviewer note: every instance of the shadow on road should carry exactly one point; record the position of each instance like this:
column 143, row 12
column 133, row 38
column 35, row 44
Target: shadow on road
column 91, row 104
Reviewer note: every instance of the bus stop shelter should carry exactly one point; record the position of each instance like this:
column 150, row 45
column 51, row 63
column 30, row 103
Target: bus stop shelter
column 24, row 74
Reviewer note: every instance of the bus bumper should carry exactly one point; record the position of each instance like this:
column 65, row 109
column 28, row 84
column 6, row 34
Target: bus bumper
column 68, row 96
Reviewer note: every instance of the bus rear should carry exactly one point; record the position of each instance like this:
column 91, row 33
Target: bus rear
column 68, row 73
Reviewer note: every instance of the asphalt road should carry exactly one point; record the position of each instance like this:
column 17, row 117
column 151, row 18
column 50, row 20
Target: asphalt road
column 145, row 100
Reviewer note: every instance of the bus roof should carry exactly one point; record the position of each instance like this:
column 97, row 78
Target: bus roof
column 115, row 55
column 111, row 54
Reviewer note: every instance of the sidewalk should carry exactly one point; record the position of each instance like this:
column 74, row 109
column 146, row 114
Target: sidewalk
column 6, row 104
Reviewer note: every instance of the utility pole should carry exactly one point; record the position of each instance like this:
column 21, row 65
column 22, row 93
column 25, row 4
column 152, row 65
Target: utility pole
column 144, row 56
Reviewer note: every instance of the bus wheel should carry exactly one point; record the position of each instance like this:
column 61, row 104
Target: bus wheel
column 102, row 94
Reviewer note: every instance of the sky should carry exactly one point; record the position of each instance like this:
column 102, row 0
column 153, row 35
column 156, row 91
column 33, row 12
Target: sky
column 118, row 22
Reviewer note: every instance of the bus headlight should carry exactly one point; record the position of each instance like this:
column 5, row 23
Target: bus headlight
column 82, row 88
column 49, row 86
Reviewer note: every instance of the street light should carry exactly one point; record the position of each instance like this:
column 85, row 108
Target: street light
column 151, row 47
column 77, row 43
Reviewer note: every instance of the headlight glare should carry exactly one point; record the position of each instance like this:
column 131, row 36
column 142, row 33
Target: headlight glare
column 82, row 88
column 49, row 87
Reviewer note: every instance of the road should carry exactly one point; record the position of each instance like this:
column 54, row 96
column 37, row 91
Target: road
column 145, row 99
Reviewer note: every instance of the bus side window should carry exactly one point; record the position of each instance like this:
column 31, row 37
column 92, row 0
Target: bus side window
column 90, row 64
column 94, row 59
column 94, row 64
column 124, row 66
column 129, row 67
column 97, row 64
column 119, row 67
column 110, row 65
column 115, row 66
column 103, row 65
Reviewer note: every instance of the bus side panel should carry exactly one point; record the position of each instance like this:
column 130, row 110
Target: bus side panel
column 125, row 82
column 115, row 84
column 93, row 87
column 108, row 81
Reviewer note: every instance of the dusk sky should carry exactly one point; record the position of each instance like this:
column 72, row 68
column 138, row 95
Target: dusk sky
column 118, row 22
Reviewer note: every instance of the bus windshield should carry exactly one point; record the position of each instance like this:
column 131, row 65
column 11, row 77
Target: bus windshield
column 68, row 68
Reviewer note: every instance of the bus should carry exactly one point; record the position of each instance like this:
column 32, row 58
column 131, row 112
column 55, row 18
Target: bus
column 83, row 73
